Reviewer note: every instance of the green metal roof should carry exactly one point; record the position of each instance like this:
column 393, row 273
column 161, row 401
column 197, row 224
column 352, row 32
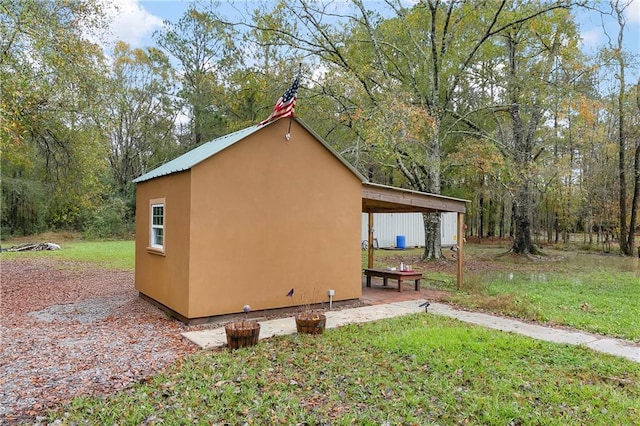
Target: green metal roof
column 197, row 155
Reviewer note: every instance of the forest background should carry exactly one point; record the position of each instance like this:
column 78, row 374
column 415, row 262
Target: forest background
column 491, row 101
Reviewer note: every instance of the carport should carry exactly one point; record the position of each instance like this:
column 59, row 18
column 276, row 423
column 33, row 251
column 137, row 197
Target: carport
column 378, row 198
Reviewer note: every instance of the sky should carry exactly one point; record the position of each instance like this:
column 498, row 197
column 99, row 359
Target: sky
column 134, row 21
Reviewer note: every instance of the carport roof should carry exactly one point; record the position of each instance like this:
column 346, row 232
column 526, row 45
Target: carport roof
column 378, row 198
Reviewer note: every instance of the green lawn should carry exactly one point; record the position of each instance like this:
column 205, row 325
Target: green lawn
column 588, row 291
column 419, row 369
column 600, row 301
column 106, row 254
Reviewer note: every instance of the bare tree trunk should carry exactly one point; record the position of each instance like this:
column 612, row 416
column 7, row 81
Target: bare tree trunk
column 522, row 243
column 432, row 243
column 491, row 232
column 426, row 178
column 622, row 174
column 634, row 203
column 481, row 218
column 523, row 150
column 636, row 186
column 433, row 247
column 502, row 219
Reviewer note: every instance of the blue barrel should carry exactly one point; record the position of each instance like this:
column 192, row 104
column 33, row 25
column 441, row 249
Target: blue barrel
column 401, row 243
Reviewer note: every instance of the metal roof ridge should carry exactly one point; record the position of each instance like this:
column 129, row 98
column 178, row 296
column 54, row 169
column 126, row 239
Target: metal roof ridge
column 198, row 154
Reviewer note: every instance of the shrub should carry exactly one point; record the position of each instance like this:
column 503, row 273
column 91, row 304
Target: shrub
column 109, row 221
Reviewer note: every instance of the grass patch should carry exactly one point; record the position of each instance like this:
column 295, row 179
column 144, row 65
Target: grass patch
column 591, row 292
column 118, row 255
column 600, row 301
column 598, row 293
column 418, row 369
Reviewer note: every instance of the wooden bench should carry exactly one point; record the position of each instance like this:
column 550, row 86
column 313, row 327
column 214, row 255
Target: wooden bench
column 395, row 275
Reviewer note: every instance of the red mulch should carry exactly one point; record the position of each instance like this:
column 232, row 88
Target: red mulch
column 77, row 331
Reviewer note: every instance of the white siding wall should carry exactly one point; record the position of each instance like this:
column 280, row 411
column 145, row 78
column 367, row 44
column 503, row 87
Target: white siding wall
column 449, row 229
column 387, row 226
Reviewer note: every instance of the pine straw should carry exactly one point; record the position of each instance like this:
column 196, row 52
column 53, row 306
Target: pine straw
column 78, row 331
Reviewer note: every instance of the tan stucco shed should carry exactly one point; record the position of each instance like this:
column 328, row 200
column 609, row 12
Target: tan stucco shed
column 246, row 218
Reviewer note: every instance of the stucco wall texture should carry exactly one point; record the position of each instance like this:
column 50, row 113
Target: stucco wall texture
column 249, row 224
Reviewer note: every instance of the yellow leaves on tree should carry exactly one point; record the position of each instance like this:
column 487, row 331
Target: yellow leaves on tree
column 479, row 156
column 400, row 123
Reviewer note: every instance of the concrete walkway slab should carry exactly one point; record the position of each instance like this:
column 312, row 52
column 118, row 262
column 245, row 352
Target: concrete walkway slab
column 216, row 337
column 598, row 343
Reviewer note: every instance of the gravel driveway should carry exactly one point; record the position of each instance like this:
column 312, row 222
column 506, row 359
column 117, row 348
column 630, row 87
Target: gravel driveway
column 76, row 331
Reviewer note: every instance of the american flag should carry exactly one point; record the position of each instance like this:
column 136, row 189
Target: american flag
column 286, row 104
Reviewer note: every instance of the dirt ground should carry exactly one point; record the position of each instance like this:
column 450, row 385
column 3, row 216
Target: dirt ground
column 75, row 331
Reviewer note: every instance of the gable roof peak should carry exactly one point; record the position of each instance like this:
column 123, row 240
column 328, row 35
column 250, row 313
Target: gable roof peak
column 197, row 155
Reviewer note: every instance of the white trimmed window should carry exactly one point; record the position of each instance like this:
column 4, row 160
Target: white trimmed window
column 157, row 225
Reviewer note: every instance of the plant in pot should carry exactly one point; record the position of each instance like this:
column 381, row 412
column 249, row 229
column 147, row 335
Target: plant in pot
column 242, row 333
column 308, row 321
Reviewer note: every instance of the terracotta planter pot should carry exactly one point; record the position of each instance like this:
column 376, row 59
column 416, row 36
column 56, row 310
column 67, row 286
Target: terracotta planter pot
column 311, row 323
column 242, row 333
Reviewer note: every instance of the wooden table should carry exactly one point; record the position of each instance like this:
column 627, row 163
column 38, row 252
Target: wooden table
column 395, row 275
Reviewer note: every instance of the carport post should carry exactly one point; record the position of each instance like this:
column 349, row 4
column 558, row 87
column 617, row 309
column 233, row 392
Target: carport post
column 460, row 247
column 370, row 254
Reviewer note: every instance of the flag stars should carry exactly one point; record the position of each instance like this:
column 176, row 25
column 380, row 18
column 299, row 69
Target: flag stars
column 285, row 106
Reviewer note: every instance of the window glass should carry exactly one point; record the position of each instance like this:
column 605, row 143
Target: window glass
column 157, row 226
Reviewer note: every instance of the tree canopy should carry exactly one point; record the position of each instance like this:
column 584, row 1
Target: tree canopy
column 493, row 101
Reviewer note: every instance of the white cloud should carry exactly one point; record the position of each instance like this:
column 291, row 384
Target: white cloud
column 633, row 11
column 318, row 74
column 130, row 22
column 591, row 39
